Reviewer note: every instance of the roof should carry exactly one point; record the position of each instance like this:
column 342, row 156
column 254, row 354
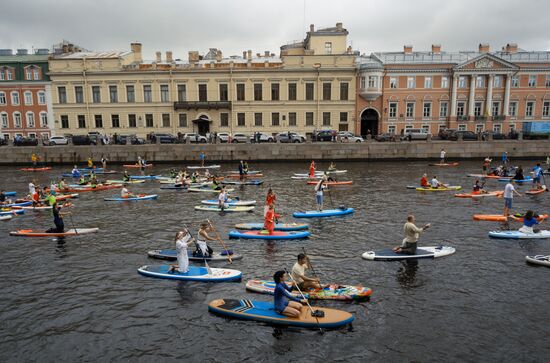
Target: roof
column 94, row 55
column 29, row 58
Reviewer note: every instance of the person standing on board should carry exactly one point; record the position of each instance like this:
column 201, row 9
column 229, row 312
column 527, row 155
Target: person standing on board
column 442, row 156
column 412, row 232
column 321, row 185
column 537, row 175
column 269, row 200
column 202, row 157
column 104, row 162
column 509, row 191
column 312, row 169
column 90, row 162
column 270, row 219
column 486, row 165
column 505, row 158
column 34, row 160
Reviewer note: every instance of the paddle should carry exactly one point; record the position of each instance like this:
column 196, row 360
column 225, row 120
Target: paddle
column 72, row 222
column 313, row 313
column 220, row 240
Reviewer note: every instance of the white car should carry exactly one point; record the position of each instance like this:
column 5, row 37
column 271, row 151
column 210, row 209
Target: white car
column 223, row 137
column 193, row 137
column 263, row 137
column 56, row 140
column 238, row 138
column 347, row 136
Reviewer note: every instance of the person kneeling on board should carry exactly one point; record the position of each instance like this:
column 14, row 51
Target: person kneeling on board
column 183, row 239
column 519, row 174
column 478, row 188
column 57, row 220
column 284, row 302
column 270, row 219
column 412, row 232
column 298, row 273
column 125, row 193
column 203, row 249
column 529, row 221
column 424, row 181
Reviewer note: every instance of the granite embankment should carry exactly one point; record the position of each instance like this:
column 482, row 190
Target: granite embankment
column 369, row 151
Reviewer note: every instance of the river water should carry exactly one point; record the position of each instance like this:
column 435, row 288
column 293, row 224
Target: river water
column 81, row 299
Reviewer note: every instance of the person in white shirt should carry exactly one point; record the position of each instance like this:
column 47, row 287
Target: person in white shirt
column 411, row 232
column 509, row 191
column 298, row 273
column 435, row 183
column 222, row 198
column 183, row 239
column 32, row 188
column 319, row 192
column 125, row 193
column 442, row 156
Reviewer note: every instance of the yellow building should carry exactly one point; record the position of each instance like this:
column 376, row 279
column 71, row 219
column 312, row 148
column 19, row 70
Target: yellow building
column 309, row 86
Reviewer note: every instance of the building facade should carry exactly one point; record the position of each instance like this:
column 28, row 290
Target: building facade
column 25, row 94
column 309, row 86
column 475, row 90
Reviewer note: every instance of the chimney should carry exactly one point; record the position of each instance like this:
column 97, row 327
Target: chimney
column 484, row 48
column 158, row 58
column 436, row 48
column 193, row 56
column 219, row 56
column 266, row 53
column 244, row 54
column 511, row 48
column 349, row 50
column 311, row 28
column 407, row 49
column 339, row 27
column 71, row 48
column 136, row 49
column 258, row 55
column 249, row 54
column 169, row 58
column 65, row 48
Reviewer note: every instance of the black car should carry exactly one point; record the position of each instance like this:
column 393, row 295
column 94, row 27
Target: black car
column 388, row 136
column 166, row 138
column 134, row 140
column 25, row 141
column 445, row 133
column 3, row 142
column 83, row 140
column 496, row 135
column 466, row 136
column 325, row 135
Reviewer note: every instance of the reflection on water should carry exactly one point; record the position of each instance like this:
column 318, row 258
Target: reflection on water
column 406, row 275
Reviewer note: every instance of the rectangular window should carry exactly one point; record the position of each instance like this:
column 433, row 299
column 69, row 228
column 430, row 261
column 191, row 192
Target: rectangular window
column 240, row 92
column 443, row 109
column 274, row 92
column 81, row 121
column 515, row 81
column 149, row 120
column 495, row 110
column 546, row 109
column 497, row 128
column 115, row 121
column 62, row 93
column 529, row 108
column 512, row 127
column 2, row 98
column 479, row 128
column 113, row 94
column 241, row 119
column 310, row 90
column 427, row 110
column 98, row 121
column 64, row 121
column 462, row 82
column 328, row 48
column 17, row 120
column 292, row 92
column 444, row 82
column 309, row 118
column 15, row 98
column 275, row 119
column 79, row 94
column 130, row 94
column 327, row 91
column 4, row 120
column 10, row 75
column 36, row 74
column 257, row 91
column 363, row 82
column 43, row 119
column 393, row 82
column 28, row 75
column 497, row 81
column 343, row 117
column 477, row 109
column 292, row 119
column 373, row 82
column 460, row 109
column 258, row 119
column 391, row 129
column 427, row 82
column 480, row 81
column 344, row 91
column 28, row 98
column 165, row 120
column 547, row 82
column 164, row 93
column 393, row 110
column 532, row 80
column 132, row 123
column 41, row 98
column 147, row 94
column 409, row 112
column 224, row 92
column 326, row 118
column 96, row 94
column 30, row 119
column 513, row 109
column 203, row 93
column 410, row 82
column 182, row 119
column 224, row 119
column 462, row 127
column 182, row 93
column 2, row 75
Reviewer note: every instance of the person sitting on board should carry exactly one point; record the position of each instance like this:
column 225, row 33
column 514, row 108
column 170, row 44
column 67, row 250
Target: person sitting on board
column 332, row 166
column 173, row 173
column 519, row 174
column 537, row 175
column 283, row 301
column 298, row 273
column 412, row 232
column 215, row 184
column 270, row 219
column 183, row 239
column 62, row 185
column 222, row 199
column 125, row 193
column 51, row 198
column 138, row 162
column 478, row 188
column 207, row 174
column 202, row 238
column 269, row 200
column 529, row 220
column 57, row 220
column 75, row 172
column 434, row 183
column 486, row 165
column 424, row 181
column 178, row 182
column 319, row 187
column 82, row 180
column 312, row 169
column 125, row 176
column 328, row 177
column 245, row 168
column 4, row 199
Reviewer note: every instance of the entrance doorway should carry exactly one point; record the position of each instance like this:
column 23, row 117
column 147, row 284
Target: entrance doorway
column 369, row 122
column 203, row 125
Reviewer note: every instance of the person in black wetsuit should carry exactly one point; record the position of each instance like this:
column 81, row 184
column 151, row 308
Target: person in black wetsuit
column 519, row 174
column 57, row 220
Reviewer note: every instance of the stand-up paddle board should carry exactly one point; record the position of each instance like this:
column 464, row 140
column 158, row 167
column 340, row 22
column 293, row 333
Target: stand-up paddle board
column 323, row 213
column 171, row 255
column 331, row 292
column 278, row 226
column 539, row 260
column 261, row 234
column 519, row 235
column 387, row 254
column 70, row 232
column 200, row 274
column 231, row 202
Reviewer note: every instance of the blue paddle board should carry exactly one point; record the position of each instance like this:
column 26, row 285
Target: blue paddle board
column 258, row 234
column 171, row 255
column 10, row 194
column 278, row 226
column 323, row 213
column 10, row 212
column 199, row 274
column 519, row 235
column 387, row 254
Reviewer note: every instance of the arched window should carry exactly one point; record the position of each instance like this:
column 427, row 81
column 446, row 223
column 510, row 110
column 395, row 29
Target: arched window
column 41, row 98
column 15, row 98
column 4, row 119
column 28, row 98
column 43, row 119
column 2, row 97
column 17, row 119
column 30, row 119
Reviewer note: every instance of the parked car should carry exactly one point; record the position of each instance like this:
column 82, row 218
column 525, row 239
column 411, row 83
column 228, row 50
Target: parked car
column 56, row 140
column 263, row 137
column 134, row 140
column 83, row 140
column 388, row 136
column 324, row 135
column 414, row 134
column 223, row 137
column 195, row 138
column 466, row 135
column 347, row 136
column 239, row 138
column 496, row 135
column 3, row 141
column 290, row 137
column 445, row 133
column 166, row 138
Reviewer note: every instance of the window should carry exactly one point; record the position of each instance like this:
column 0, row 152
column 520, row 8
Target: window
column 427, row 110
column 15, row 98
column 393, row 82
column 10, row 75
column 309, row 118
column 275, row 119
column 409, row 110
column 327, row 91
column 479, row 128
column 363, row 82
column 113, row 94
column 81, row 121
column 444, row 82
column 17, row 119
column 165, row 120
column 224, row 92
column 43, row 119
column 391, row 129
column 41, row 98
column 462, row 82
column 96, row 94
column 326, row 118
column 462, row 127
column 203, row 93
column 497, row 128
column 182, row 93
column 310, row 88
column 547, row 82
column 4, row 117
column 410, row 82
column 182, row 120
column 427, row 82
column 257, row 91
column 292, row 93
column 441, row 127
column 343, row 117
column 258, row 119
column 32, row 135
column 529, row 108
column 426, row 128
column 292, row 119
column 480, row 81
column 513, row 109
column 130, row 94
column 79, row 94
column 28, row 97
column 546, row 109
column 36, row 74
column 149, row 120
column 344, row 91
column 224, row 119
column 373, row 82
column 393, row 110
column 477, row 109
column 64, row 121
column 115, row 121
column 2, row 98
column 328, row 48
column 532, row 80
column 147, row 94
column 62, row 94
column 241, row 119
column 275, row 92
column 28, row 74
column 497, row 81
column 2, row 74
column 164, row 93
column 132, row 123
column 512, row 127
column 98, row 121
column 515, row 81
column 408, row 127
column 443, row 109
column 495, row 111
column 30, row 119
column 240, row 92
column 460, row 109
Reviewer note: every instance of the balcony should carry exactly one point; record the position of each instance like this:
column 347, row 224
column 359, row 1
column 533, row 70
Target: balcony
column 480, row 118
column 462, row 118
column 499, row 118
column 202, row 105
column 370, row 93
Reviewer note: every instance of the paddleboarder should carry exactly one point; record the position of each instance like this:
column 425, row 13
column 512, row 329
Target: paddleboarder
column 319, row 187
column 529, row 221
column 202, row 157
column 537, row 175
column 298, row 273
column 509, row 191
column 202, row 238
column 442, row 156
column 90, row 162
column 270, row 219
column 183, row 239
column 57, row 220
column 412, row 232
column 312, row 169
column 435, row 183
column 284, row 302
column 104, row 162
column 222, row 198
column 34, row 160
column 424, row 181
column 4, row 199
column 269, row 200
column 486, row 165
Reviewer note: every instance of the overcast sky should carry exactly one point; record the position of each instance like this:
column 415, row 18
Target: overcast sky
column 237, row 25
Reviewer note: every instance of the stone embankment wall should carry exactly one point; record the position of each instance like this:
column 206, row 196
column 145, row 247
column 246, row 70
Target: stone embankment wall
column 370, row 151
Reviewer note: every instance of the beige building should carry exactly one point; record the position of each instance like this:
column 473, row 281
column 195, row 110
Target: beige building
column 309, row 86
